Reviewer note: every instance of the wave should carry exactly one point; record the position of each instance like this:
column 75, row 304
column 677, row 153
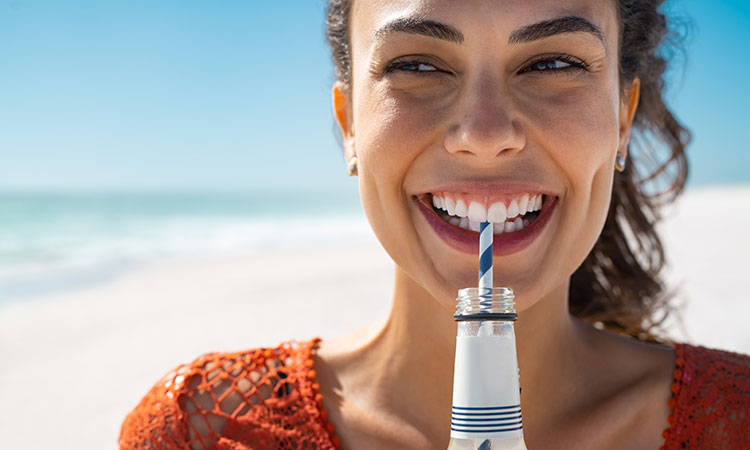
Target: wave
column 51, row 242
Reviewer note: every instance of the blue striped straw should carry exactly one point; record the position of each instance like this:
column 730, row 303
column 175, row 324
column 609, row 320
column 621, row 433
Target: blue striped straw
column 485, row 261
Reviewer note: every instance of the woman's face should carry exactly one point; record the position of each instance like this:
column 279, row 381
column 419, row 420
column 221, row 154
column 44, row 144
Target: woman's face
column 464, row 111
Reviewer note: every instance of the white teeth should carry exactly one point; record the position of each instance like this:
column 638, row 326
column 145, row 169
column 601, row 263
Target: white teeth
column 497, row 213
column 532, row 204
column 477, row 213
column 506, row 218
column 450, row 206
column 523, row 204
column 512, row 209
column 461, row 210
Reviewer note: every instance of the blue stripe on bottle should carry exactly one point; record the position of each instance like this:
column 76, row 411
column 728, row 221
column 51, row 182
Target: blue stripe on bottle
column 489, row 430
column 504, row 413
column 486, row 425
column 476, row 408
column 486, row 419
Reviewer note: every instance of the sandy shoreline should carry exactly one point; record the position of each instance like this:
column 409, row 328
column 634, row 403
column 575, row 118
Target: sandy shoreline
column 74, row 363
column 107, row 345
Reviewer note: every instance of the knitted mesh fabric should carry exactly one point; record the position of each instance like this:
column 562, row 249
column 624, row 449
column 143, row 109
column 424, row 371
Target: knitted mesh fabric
column 710, row 400
column 265, row 399
column 261, row 399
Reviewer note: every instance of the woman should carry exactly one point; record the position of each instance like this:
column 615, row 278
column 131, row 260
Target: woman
column 519, row 113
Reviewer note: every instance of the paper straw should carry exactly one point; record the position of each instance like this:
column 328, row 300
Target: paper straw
column 485, row 255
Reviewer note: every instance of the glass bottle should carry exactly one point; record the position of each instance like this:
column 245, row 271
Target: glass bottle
column 486, row 411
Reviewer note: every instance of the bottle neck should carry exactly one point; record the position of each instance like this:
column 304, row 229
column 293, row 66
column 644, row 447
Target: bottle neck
column 485, row 304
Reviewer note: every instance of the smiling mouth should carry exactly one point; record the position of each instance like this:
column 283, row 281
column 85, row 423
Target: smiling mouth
column 507, row 216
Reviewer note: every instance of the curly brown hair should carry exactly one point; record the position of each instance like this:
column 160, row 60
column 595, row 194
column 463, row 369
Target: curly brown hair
column 619, row 285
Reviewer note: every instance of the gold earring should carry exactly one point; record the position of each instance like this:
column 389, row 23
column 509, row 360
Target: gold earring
column 351, row 167
column 620, row 162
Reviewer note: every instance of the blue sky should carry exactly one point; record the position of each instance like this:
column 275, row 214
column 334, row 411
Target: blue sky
column 228, row 95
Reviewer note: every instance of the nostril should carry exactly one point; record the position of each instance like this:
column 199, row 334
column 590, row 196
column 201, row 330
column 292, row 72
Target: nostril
column 485, row 135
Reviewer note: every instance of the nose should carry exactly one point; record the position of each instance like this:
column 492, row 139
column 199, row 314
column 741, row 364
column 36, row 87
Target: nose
column 487, row 126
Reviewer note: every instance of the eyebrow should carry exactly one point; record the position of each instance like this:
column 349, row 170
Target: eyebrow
column 547, row 28
column 529, row 33
column 424, row 27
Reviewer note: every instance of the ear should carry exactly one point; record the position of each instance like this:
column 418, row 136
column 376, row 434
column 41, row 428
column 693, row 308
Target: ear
column 342, row 109
column 628, row 106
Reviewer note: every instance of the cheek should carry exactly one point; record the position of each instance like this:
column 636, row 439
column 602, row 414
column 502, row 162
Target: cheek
column 579, row 127
column 396, row 122
column 579, row 133
column 387, row 139
column 382, row 160
column 395, row 135
column 589, row 133
column 396, row 129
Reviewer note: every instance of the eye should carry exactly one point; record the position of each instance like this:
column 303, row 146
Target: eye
column 550, row 65
column 410, row 66
column 554, row 63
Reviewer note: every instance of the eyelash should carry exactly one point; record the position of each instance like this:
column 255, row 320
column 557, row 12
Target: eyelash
column 573, row 64
column 398, row 64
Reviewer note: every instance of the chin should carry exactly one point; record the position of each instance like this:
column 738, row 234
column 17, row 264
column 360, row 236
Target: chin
column 446, row 292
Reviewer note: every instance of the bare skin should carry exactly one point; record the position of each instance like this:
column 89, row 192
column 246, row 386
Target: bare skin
column 485, row 109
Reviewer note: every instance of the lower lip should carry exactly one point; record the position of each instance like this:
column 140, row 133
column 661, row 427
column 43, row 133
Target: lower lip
column 467, row 241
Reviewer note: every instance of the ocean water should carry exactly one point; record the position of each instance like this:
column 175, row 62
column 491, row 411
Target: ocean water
column 55, row 241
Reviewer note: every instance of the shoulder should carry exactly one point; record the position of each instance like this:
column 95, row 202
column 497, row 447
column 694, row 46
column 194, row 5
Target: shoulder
column 252, row 398
column 711, row 391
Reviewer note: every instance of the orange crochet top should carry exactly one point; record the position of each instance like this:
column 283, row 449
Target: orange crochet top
column 265, row 399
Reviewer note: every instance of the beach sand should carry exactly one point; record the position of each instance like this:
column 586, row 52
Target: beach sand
column 74, row 363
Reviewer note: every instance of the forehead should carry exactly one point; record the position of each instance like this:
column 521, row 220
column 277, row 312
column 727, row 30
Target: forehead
column 478, row 20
